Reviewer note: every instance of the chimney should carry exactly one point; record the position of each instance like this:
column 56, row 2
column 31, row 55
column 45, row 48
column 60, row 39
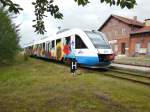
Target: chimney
column 135, row 18
column 147, row 22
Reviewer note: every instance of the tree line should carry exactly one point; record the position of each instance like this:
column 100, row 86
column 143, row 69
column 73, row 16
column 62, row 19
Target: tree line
column 9, row 38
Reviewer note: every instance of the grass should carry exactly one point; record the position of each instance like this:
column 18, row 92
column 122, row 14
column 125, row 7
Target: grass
column 41, row 86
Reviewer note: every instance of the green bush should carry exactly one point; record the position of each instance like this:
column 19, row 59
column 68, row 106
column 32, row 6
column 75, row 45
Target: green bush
column 9, row 38
column 26, row 57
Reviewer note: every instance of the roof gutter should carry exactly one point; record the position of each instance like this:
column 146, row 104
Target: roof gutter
column 139, row 32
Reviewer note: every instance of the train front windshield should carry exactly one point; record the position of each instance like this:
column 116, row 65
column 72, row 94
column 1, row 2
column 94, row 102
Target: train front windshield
column 98, row 40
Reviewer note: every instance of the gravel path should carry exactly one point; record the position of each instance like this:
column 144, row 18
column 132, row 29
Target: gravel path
column 132, row 67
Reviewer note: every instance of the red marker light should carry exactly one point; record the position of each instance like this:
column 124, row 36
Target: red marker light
column 111, row 57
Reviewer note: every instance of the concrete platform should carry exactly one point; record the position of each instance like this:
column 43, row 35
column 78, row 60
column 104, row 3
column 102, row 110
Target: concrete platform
column 132, row 67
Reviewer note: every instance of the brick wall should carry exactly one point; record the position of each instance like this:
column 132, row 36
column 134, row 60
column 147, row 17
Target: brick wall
column 118, row 34
column 143, row 39
column 115, row 29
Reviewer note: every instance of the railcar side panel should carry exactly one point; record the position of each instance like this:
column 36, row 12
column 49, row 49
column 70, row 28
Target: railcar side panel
column 82, row 46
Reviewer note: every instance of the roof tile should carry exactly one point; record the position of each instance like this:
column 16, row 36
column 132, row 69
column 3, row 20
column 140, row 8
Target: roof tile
column 142, row 30
column 125, row 20
column 129, row 21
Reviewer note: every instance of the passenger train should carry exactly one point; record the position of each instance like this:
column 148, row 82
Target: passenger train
column 89, row 48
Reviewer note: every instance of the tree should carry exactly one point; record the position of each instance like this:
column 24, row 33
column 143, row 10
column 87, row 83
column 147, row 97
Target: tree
column 9, row 38
column 43, row 6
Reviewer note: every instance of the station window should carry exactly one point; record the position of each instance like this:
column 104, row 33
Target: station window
column 79, row 44
column 137, row 47
column 148, row 48
column 123, row 31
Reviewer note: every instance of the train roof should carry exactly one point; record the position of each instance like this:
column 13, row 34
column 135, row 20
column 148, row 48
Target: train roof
column 59, row 34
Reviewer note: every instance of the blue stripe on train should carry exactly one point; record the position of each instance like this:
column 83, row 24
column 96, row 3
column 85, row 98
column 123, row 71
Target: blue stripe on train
column 87, row 60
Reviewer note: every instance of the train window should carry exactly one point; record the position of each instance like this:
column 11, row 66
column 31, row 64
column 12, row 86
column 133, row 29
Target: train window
column 58, row 41
column 67, row 44
column 48, row 46
column 98, row 40
column 31, row 47
column 53, row 44
column 68, row 40
column 79, row 44
column 43, row 45
column 38, row 46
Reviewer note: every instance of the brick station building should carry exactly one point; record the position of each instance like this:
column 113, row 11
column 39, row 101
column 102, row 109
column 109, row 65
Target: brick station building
column 140, row 40
column 117, row 30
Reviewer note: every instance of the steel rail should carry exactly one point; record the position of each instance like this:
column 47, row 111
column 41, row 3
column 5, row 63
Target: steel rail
column 114, row 73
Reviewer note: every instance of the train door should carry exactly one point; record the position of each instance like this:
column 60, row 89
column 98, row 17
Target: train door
column 39, row 50
column 53, row 52
column 47, row 49
column 36, row 49
column 59, row 51
column 79, row 44
column 81, row 50
column 43, row 49
column 72, row 44
column 67, row 47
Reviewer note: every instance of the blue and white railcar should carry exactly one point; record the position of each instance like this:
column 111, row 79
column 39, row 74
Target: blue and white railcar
column 89, row 48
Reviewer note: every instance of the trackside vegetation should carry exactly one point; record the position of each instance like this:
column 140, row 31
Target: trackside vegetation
column 42, row 86
column 9, row 38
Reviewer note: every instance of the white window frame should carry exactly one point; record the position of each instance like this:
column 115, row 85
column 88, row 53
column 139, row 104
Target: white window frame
column 148, row 48
column 137, row 49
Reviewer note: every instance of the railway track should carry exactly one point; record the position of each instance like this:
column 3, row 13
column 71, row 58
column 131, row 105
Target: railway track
column 141, row 75
column 140, row 78
column 120, row 74
column 130, row 77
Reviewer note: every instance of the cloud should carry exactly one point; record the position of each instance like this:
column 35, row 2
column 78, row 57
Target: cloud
column 90, row 16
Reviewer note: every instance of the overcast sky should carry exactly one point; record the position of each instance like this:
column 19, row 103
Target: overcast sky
column 91, row 16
